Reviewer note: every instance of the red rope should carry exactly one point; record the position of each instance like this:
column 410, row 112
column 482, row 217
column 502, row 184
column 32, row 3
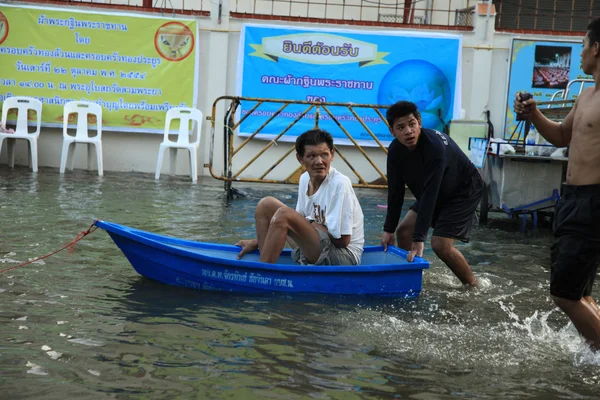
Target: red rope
column 70, row 245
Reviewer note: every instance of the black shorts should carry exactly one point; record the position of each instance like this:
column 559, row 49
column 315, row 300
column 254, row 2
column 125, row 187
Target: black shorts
column 576, row 247
column 453, row 219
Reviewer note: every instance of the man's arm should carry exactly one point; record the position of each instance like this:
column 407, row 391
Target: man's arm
column 396, row 188
column 340, row 243
column 434, row 171
column 339, row 217
column 559, row 134
column 301, row 202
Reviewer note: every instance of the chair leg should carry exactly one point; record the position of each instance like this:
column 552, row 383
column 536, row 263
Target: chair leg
column 71, row 155
column 33, row 154
column 99, row 159
column 173, row 160
column 64, row 155
column 90, row 154
column 29, row 155
column 193, row 165
column 11, row 152
column 159, row 162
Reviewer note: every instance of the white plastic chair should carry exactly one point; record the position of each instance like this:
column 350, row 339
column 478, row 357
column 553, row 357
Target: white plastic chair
column 23, row 105
column 81, row 109
column 184, row 114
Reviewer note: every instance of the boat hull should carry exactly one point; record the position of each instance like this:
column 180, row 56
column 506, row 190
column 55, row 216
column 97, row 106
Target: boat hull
column 206, row 266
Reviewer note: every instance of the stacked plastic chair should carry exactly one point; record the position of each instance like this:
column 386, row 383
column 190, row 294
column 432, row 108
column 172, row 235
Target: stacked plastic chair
column 23, row 105
column 185, row 115
column 82, row 109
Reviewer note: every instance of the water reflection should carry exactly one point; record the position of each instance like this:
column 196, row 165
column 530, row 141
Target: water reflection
column 79, row 195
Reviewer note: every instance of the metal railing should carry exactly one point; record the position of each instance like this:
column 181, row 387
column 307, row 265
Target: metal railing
column 562, row 101
column 465, row 16
column 187, row 7
column 444, row 14
column 524, row 16
column 231, row 151
column 556, row 16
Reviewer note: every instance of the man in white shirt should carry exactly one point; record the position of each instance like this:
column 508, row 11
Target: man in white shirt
column 327, row 226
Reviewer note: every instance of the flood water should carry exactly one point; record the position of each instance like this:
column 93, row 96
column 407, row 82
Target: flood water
column 85, row 325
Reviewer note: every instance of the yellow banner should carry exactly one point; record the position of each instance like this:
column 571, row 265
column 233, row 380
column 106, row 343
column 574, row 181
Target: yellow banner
column 135, row 67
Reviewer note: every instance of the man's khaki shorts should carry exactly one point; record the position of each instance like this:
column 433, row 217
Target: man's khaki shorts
column 330, row 255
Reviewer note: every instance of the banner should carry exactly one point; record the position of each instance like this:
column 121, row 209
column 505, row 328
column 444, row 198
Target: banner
column 335, row 65
column 135, row 67
column 541, row 68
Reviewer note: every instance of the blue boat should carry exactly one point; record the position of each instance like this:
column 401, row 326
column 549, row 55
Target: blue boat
column 209, row 266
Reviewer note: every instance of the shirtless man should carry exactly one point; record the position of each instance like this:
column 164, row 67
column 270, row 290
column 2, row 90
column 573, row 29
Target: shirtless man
column 576, row 247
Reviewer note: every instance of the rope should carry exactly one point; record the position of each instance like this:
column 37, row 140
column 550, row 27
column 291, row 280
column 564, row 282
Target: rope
column 70, row 246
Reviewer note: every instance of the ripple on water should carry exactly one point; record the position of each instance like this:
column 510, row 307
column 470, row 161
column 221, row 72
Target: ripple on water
column 110, row 333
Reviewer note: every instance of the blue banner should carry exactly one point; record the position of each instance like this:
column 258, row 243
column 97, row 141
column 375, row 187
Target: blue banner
column 541, row 68
column 344, row 66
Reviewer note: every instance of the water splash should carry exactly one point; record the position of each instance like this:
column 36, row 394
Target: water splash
column 55, row 355
column 460, row 341
column 35, row 369
column 484, row 283
column 87, row 342
column 566, row 338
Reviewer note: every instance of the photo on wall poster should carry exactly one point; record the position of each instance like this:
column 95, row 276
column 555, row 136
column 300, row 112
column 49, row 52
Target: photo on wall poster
column 562, row 56
column 552, row 67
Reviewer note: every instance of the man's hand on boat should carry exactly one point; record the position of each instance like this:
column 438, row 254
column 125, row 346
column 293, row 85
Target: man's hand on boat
column 247, row 245
column 387, row 239
column 415, row 250
column 524, row 108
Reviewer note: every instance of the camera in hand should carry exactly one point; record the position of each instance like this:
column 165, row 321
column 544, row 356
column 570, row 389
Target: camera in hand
column 523, row 97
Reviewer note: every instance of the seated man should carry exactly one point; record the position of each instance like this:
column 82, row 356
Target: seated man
column 446, row 184
column 327, row 226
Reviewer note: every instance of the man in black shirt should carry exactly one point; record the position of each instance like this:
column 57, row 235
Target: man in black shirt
column 445, row 182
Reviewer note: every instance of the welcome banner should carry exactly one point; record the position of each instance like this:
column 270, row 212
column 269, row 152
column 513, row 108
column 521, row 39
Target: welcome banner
column 135, row 67
column 343, row 66
column 541, row 68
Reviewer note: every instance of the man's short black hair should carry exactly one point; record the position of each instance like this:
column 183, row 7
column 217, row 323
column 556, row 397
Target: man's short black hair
column 593, row 32
column 312, row 138
column 401, row 109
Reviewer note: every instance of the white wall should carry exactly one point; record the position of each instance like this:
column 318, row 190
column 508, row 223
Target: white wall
column 484, row 79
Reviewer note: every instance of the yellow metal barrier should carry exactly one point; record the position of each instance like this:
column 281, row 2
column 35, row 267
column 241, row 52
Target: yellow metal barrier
column 228, row 175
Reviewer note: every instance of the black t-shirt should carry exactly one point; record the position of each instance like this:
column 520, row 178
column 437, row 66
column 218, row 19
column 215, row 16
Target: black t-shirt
column 435, row 171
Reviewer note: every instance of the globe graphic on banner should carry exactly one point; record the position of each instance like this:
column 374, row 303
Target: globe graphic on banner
column 422, row 83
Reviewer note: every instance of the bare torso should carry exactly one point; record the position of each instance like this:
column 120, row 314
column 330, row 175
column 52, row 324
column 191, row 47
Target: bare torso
column 584, row 150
